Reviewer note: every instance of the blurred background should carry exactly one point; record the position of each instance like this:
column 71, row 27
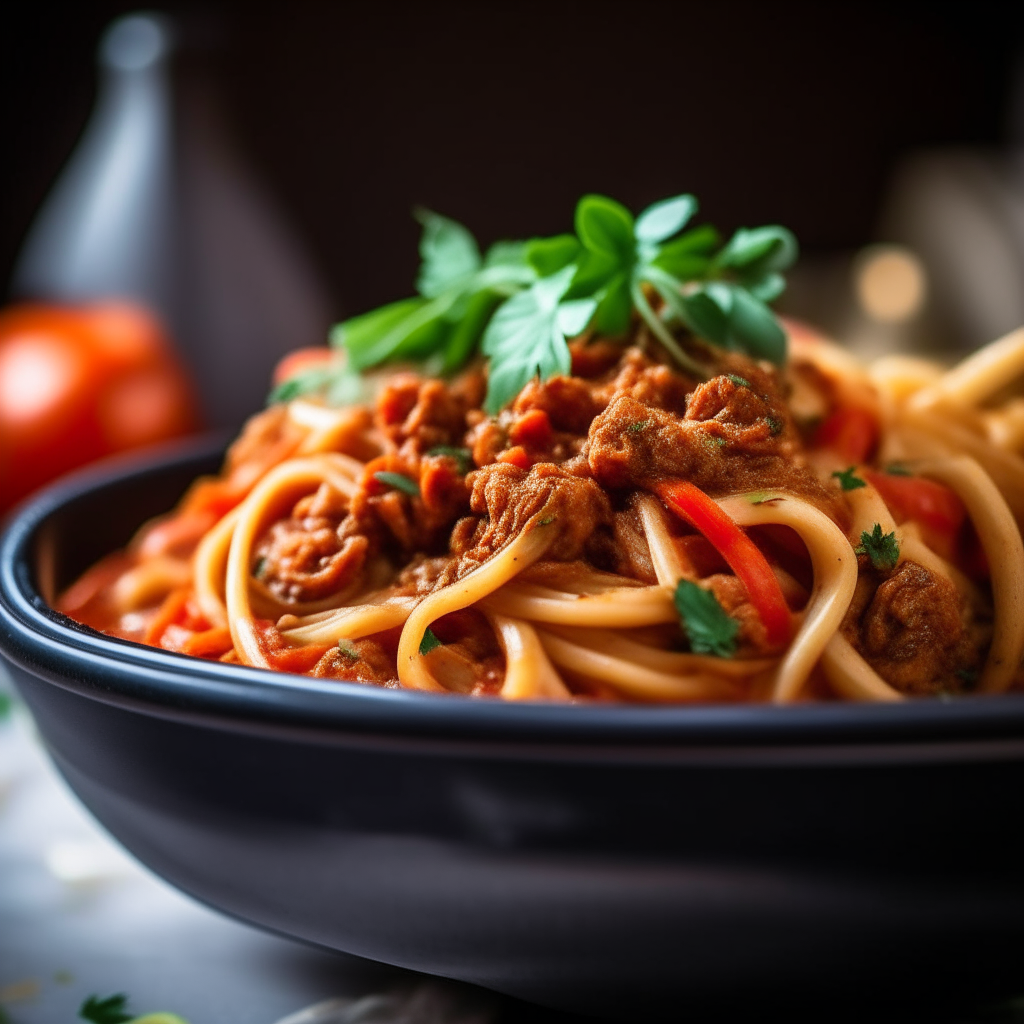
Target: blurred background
column 247, row 171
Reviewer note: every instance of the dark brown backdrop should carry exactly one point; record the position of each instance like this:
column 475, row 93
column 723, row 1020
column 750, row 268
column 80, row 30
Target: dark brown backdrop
column 501, row 115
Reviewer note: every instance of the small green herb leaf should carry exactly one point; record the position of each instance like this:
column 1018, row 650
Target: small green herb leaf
column 527, row 336
column 848, row 479
column 105, row 1011
column 709, row 629
column 549, row 255
column 664, row 219
column 399, row 482
column 740, row 382
column 882, row 548
column 635, row 428
column 605, row 226
column 349, row 650
column 429, row 642
column 449, row 253
column 895, row 469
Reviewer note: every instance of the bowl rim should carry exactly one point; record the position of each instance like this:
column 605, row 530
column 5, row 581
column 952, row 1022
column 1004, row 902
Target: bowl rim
column 55, row 648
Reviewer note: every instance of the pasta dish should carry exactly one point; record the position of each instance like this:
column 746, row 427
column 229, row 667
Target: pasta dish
column 597, row 467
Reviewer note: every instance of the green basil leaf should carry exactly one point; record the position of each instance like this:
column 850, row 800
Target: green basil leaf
column 549, row 255
column 466, row 332
column 361, row 332
column 705, row 316
column 759, row 251
column 753, row 327
column 594, row 272
column 571, row 318
column 398, row 482
column 767, row 288
column 606, row 227
column 615, row 308
column 664, row 219
column 506, row 254
column 449, row 253
column 526, row 337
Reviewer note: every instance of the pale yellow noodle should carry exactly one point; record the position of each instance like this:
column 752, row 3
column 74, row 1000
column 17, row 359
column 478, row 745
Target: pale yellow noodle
column 209, row 565
column 354, row 622
column 523, row 550
column 529, row 675
column 835, row 578
column 851, row 676
column 979, row 375
column 625, row 608
column 268, row 498
column 672, row 662
column 1001, row 540
column 636, row 681
column 148, row 582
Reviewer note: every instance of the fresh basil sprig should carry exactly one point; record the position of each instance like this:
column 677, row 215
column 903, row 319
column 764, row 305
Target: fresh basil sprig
column 520, row 302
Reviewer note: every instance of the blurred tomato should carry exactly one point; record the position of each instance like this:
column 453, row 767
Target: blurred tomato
column 80, row 382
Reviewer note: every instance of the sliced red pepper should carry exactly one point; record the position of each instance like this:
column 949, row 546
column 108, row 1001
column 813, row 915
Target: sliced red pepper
column 740, row 552
column 851, row 432
column 938, row 510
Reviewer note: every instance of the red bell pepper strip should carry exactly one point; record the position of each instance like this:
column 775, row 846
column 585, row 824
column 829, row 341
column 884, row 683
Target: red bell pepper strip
column 851, row 432
column 740, row 552
column 937, row 509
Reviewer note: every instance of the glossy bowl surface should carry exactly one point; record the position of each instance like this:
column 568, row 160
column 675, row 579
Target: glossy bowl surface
column 624, row 861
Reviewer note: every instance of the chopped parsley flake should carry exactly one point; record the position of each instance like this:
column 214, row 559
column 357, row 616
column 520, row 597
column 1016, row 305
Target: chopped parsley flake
column 775, row 425
column 349, row 649
column 848, row 479
column 706, row 625
column 429, row 642
column 635, row 428
column 895, row 469
column 259, row 568
column 882, row 548
column 740, row 382
column 399, row 482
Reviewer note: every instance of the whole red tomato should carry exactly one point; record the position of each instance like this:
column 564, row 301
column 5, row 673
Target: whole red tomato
column 80, row 382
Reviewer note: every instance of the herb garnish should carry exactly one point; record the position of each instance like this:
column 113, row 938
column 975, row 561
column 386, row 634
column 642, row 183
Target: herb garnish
column 775, row 425
column 709, row 629
column 429, row 641
column 635, row 428
column 398, row 481
column 882, row 548
column 740, row 382
column 895, row 469
column 347, row 648
column 463, row 456
column 521, row 301
column 105, row 1011
column 848, row 479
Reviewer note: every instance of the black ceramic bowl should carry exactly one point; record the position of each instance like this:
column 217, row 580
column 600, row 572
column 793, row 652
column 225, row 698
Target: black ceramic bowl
column 628, row 861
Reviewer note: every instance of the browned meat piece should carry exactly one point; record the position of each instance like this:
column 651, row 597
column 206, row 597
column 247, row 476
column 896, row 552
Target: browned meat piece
column 910, row 629
column 568, row 401
column 267, row 439
column 506, row 497
column 417, row 415
column 744, row 446
column 640, row 378
column 361, row 661
column 302, row 558
column 732, row 596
